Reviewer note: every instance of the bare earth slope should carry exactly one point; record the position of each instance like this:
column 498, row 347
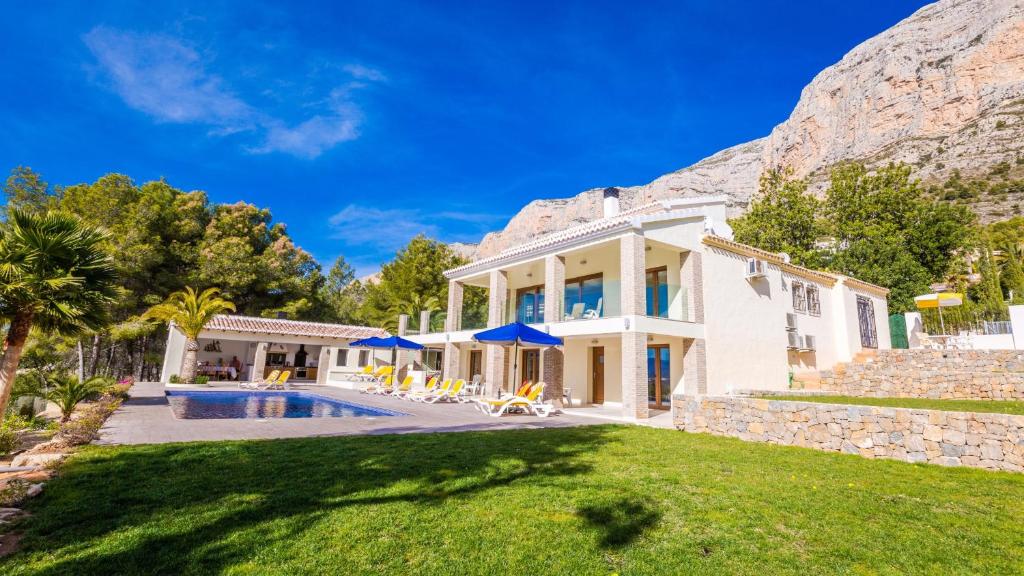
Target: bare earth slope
column 942, row 90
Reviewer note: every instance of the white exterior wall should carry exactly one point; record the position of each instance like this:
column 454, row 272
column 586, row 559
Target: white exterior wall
column 579, row 368
column 174, row 354
column 744, row 325
column 848, row 296
column 822, row 327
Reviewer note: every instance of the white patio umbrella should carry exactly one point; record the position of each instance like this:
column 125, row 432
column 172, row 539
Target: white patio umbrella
column 939, row 300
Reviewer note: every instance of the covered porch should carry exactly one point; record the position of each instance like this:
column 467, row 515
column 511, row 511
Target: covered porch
column 589, row 370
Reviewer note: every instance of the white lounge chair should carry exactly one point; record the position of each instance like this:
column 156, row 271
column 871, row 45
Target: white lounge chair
column 594, row 313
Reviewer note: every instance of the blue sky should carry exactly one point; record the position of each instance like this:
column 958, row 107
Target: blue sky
column 362, row 124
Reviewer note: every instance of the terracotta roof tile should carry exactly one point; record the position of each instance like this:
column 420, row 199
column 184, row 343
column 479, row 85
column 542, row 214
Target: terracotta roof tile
column 232, row 323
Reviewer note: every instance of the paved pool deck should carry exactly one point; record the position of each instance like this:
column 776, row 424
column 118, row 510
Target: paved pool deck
column 146, row 418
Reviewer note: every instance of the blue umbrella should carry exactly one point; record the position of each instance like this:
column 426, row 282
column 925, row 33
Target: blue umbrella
column 515, row 334
column 392, row 342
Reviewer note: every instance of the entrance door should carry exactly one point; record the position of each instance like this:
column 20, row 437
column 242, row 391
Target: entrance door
column 531, row 365
column 476, row 364
column 597, row 378
column 866, row 319
column 659, row 389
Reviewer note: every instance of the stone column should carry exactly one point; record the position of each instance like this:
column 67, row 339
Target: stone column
column 553, row 359
column 691, row 278
column 695, row 369
column 259, row 362
column 552, row 370
column 554, row 289
column 451, row 361
column 632, row 272
column 453, row 321
column 401, row 357
column 494, row 373
column 424, row 321
column 634, row 375
column 323, row 364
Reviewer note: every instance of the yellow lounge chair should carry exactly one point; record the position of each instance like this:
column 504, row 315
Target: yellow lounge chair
column 377, row 387
column 403, row 388
column 449, row 394
column 272, row 377
column 365, row 374
column 419, row 395
column 531, row 402
column 281, row 383
column 431, row 384
column 379, row 376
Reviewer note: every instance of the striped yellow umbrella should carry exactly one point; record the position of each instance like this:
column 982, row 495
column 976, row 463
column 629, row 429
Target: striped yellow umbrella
column 939, row 300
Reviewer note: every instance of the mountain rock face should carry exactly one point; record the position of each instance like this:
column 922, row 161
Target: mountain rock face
column 942, row 90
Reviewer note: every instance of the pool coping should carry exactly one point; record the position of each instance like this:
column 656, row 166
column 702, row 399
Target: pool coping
column 147, row 419
column 385, row 412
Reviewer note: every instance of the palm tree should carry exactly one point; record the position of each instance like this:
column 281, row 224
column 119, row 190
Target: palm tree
column 67, row 391
column 411, row 306
column 55, row 275
column 190, row 311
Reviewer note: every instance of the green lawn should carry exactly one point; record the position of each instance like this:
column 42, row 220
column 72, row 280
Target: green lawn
column 997, row 406
column 588, row 500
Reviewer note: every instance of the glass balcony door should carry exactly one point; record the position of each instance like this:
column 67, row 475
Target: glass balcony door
column 530, row 305
column 584, row 297
column 657, row 292
column 659, row 387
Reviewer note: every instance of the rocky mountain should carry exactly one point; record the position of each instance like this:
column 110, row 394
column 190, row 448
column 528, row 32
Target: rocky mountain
column 942, row 90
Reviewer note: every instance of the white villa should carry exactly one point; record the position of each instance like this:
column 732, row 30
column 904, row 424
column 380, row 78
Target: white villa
column 655, row 301
column 650, row 302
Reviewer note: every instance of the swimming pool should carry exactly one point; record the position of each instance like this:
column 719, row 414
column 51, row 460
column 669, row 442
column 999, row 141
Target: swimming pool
column 253, row 404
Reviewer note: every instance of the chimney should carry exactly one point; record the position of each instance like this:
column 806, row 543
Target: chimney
column 611, row 202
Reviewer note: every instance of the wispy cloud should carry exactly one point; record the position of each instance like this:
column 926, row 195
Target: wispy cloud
column 167, row 79
column 360, row 72
column 382, row 231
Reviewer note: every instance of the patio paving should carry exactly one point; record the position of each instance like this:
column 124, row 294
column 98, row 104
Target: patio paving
column 146, row 418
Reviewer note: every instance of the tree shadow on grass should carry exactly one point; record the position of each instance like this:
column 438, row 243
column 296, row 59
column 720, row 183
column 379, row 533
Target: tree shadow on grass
column 234, row 494
column 620, row 521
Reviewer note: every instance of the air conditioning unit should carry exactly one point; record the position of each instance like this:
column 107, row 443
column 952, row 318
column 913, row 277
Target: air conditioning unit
column 791, row 319
column 755, row 268
column 808, row 343
column 796, row 341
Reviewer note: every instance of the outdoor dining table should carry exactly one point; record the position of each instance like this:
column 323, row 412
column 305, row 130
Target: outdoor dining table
column 215, row 371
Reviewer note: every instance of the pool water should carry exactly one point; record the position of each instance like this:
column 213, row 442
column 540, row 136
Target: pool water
column 254, row 404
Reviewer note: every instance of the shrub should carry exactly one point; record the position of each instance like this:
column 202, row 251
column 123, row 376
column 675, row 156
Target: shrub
column 86, row 426
column 14, row 492
column 201, row 380
column 174, row 379
column 9, row 437
column 118, row 390
column 67, row 391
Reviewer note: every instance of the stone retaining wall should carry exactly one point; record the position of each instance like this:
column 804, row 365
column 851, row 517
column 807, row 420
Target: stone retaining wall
column 959, row 374
column 992, row 441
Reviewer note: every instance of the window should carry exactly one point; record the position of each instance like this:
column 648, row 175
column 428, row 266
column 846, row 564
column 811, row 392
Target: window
column 364, row 358
column 584, row 297
column 813, row 304
column 866, row 322
column 342, row 358
column 657, row 292
column 530, row 305
column 276, row 358
column 799, row 297
column 432, row 359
